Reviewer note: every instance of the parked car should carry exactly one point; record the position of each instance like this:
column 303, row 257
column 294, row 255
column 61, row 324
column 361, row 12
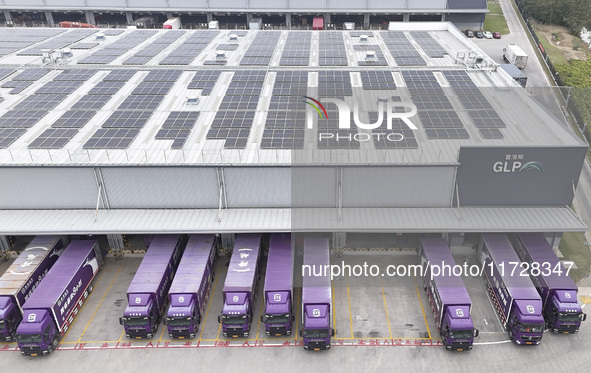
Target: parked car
column 478, row 34
column 469, row 33
column 496, row 35
column 487, row 34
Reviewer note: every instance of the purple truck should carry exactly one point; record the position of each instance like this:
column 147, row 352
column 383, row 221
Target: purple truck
column 240, row 288
column 190, row 288
column 448, row 296
column 148, row 292
column 513, row 295
column 316, row 295
column 22, row 278
column 51, row 309
column 278, row 315
column 561, row 310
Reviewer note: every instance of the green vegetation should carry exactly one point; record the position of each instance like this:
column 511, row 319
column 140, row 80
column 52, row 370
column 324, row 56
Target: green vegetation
column 495, row 20
column 573, row 247
column 574, row 14
column 553, row 52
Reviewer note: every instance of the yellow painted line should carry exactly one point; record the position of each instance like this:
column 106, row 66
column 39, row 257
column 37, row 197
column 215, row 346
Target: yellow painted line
column 260, row 314
column 297, row 312
column 334, row 318
column 349, row 299
column 217, row 338
column 423, row 309
column 386, row 307
column 101, row 302
column 215, row 282
column 81, row 308
column 586, row 300
column 121, row 336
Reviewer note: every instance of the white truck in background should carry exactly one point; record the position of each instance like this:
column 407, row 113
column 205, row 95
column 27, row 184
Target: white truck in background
column 173, row 23
column 515, row 55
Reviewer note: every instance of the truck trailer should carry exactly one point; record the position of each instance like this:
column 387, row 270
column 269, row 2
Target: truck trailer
column 278, row 315
column 448, row 297
column 51, row 309
column 190, row 288
column 318, row 23
column 514, row 297
column 561, row 310
column 173, row 23
column 515, row 55
column 240, row 288
column 316, row 295
column 22, row 278
column 148, row 292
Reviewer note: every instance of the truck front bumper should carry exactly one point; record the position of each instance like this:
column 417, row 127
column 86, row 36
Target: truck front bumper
column 235, row 333
column 181, row 334
column 277, row 331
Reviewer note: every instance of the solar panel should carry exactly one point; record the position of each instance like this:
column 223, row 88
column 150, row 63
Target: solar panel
column 283, row 139
column 119, row 75
column 447, row 133
column 112, row 138
column 18, row 87
column 74, row 119
column 181, row 119
column 491, row 133
column 91, row 102
column 75, row 75
column 106, row 88
column 177, row 60
column 178, row 135
column 475, row 102
column 21, row 118
column 83, row 45
column 97, row 60
column 233, row 119
column 10, row 135
column 127, row 119
column 141, row 102
column 432, row 102
column 53, row 138
column 153, row 88
column 5, row 72
column 239, row 103
column 391, row 139
column 261, row 49
column 35, row 101
column 486, row 119
column 137, row 60
column 377, row 80
column 31, row 75
column 163, row 76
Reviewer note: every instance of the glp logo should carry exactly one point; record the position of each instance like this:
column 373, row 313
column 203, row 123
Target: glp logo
column 516, row 166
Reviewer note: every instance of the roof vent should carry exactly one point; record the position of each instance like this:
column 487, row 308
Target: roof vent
column 363, row 37
column 233, row 37
column 100, row 37
column 192, row 99
column 67, row 53
column 370, row 55
column 220, row 55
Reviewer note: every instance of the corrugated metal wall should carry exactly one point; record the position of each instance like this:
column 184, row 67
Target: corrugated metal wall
column 146, row 4
column 47, row 188
column 398, row 186
column 193, row 4
column 387, row 4
column 466, row 21
column 314, row 187
column 62, row 3
column 258, row 186
column 268, row 4
column 466, row 4
column 428, row 4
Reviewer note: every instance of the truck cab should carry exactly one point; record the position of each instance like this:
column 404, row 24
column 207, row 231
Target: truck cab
column 141, row 318
column 236, row 315
column 457, row 329
column 278, row 317
column 10, row 317
column 316, row 331
column 182, row 320
column 564, row 313
column 525, row 325
column 37, row 334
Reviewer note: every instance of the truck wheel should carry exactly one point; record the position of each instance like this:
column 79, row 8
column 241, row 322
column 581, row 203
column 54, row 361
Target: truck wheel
column 90, row 288
column 510, row 332
column 54, row 344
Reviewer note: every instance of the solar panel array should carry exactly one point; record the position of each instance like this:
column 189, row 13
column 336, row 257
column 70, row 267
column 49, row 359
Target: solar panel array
column 482, row 113
column 337, row 84
column 234, row 124
column 401, row 49
column 428, row 44
column 119, row 47
column 436, row 112
column 204, row 80
column 400, row 136
column 377, row 80
column 13, row 39
column 261, row 49
column 296, row 51
column 58, row 42
column 334, row 83
column 178, row 127
column 23, row 80
column 331, row 49
column 286, row 116
column 185, row 53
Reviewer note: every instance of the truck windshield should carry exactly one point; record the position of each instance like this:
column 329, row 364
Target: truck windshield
column 316, row 333
column 234, row 320
column 564, row 317
column 179, row 321
column 460, row 334
column 277, row 319
column 532, row 328
column 136, row 321
column 29, row 338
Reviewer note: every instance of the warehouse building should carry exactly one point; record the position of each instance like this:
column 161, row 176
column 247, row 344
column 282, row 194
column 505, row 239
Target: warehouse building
column 465, row 14
column 168, row 131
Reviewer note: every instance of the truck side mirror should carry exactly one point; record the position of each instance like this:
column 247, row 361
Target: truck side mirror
column 262, row 318
column 301, row 331
column 292, row 318
column 121, row 321
column 164, row 321
column 583, row 316
column 475, row 333
column 332, row 332
column 220, row 319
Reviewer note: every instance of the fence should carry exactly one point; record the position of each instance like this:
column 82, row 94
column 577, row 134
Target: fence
column 569, row 94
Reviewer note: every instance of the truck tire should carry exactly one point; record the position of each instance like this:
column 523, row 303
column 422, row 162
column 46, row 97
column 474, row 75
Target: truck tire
column 54, row 343
column 510, row 332
column 90, row 288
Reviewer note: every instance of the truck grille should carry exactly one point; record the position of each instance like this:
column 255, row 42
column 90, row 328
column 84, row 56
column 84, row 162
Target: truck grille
column 235, row 332
column 134, row 333
column 460, row 346
column 532, row 338
column 176, row 333
column 278, row 330
column 567, row 328
column 32, row 350
column 316, row 345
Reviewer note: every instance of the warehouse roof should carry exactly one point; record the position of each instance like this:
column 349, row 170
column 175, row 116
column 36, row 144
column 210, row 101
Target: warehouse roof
column 235, row 97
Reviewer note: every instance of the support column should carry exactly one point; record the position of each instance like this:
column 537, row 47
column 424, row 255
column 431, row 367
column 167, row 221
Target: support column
column 168, row 15
column 129, row 17
column 326, row 20
column 7, row 16
column 443, row 17
column 117, row 244
column 49, row 18
column 339, row 240
column 406, row 17
column 228, row 240
column 366, row 21
column 288, row 21
column 209, row 17
column 248, row 18
column 4, row 248
column 90, row 17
